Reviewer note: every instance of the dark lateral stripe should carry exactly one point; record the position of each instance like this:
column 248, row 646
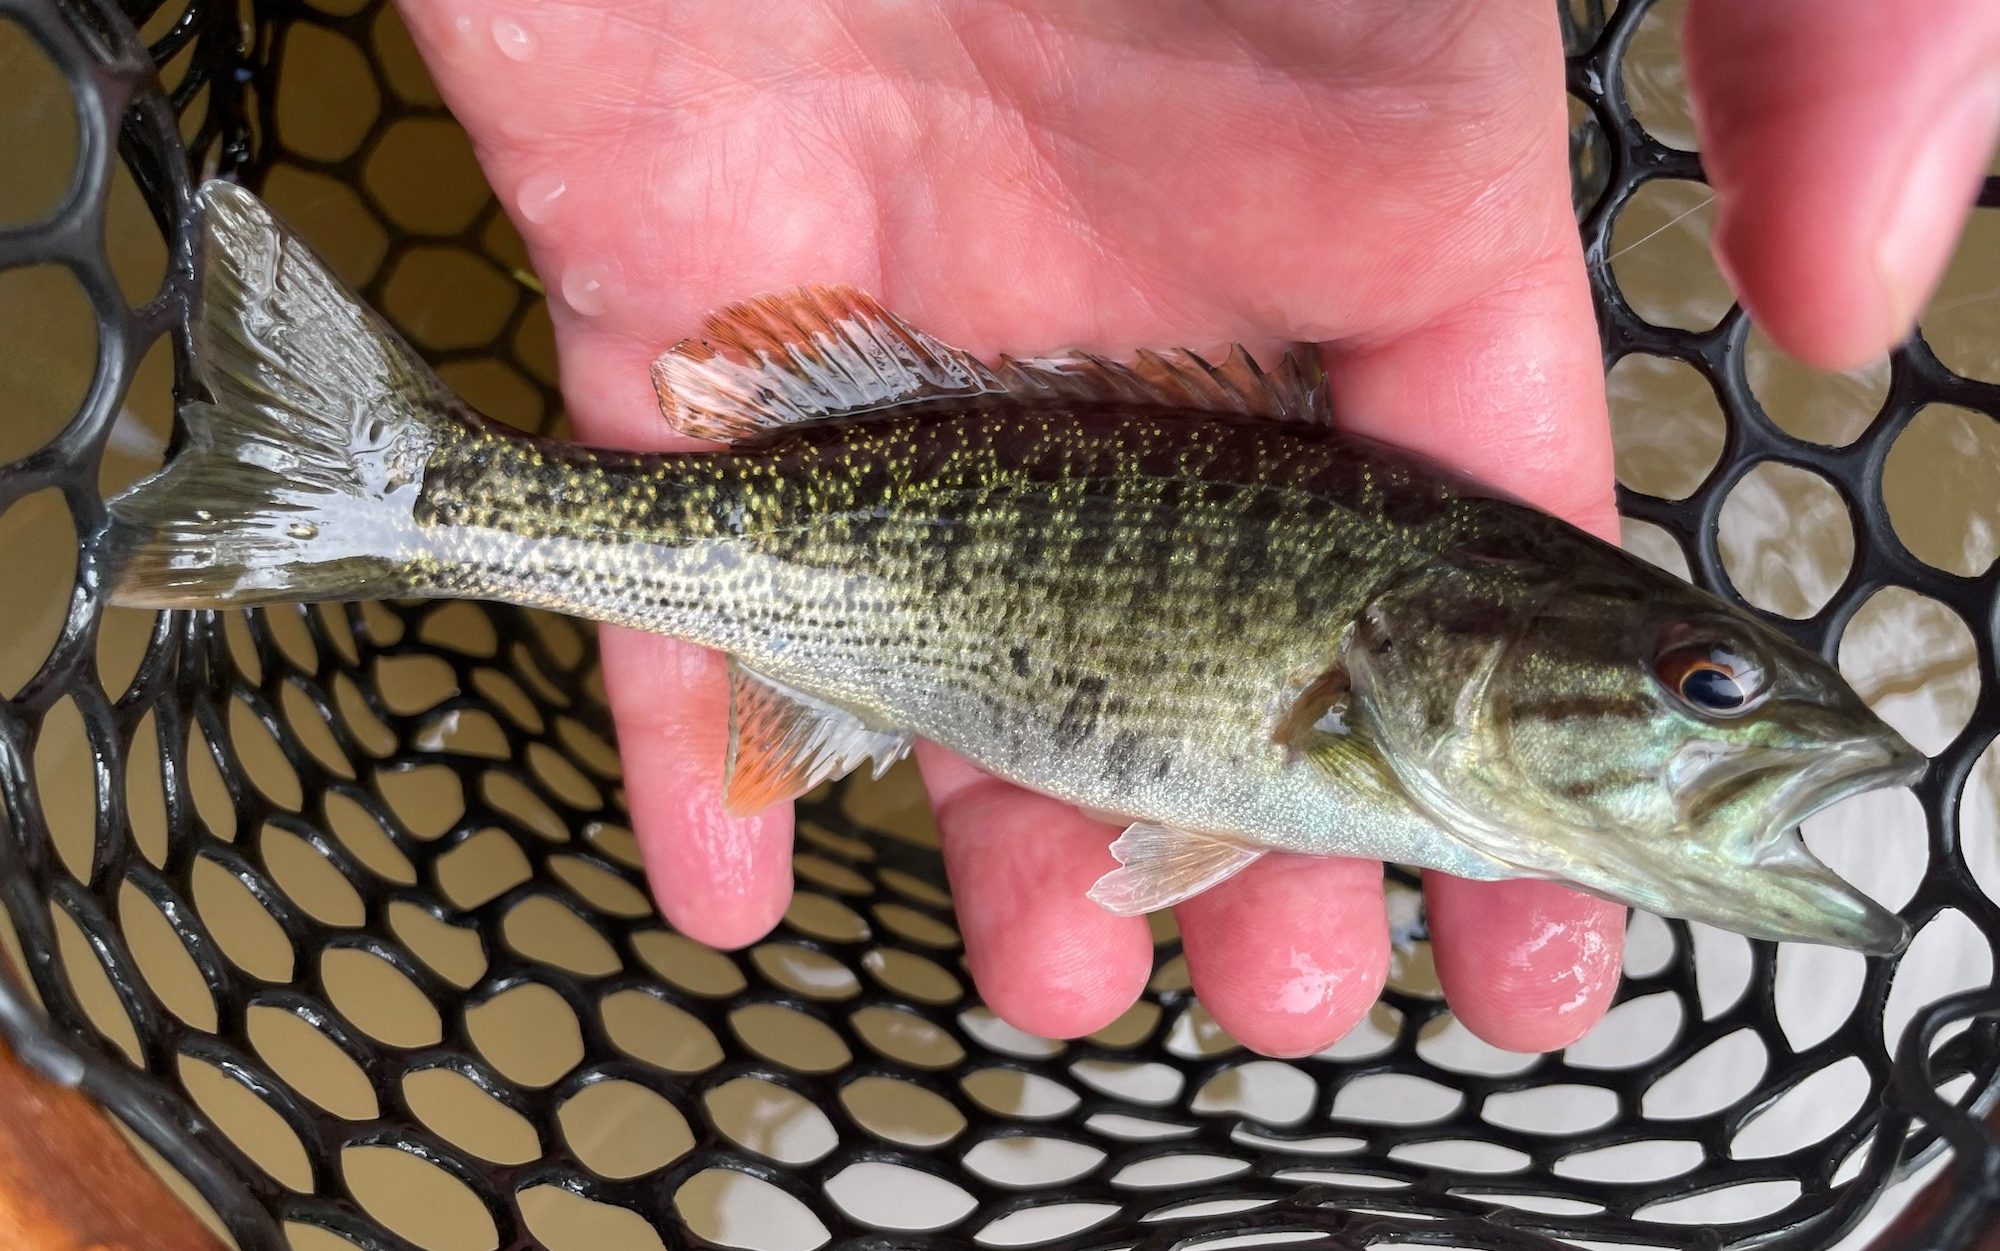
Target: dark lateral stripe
column 1616, row 780
column 1565, row 707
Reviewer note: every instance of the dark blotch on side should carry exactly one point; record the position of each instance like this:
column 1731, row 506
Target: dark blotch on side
column 1564, row 707
column 1079, row 715
column 1122, row 754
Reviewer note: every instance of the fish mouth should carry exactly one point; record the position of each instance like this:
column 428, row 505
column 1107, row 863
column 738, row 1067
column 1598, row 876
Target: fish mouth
column 1789, row 894
column 1843, row 771
column 1780, row 891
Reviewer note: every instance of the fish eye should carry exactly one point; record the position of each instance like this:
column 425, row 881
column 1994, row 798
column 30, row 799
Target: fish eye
column 1711, row 679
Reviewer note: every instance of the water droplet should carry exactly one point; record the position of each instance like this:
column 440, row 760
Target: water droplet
column 202, row 514
column 514, row 40
column 538, row 195
column 436, row 736
column 587, row 288
column 302, row 530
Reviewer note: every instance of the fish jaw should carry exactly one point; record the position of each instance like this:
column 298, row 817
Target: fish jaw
column 1801, row 898
column 1768, row 885
column 1792, row 897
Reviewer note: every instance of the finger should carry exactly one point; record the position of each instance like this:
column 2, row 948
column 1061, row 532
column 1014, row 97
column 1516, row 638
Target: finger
column 1289, row 954
column 1846, row 140
column 1509, row 388
column 1528, row 966
column 721, row 880
column 1046, row 958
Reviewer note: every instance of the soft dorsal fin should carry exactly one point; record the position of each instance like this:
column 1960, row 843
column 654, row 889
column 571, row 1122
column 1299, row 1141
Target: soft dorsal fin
column 782, row 743
column 816, row 353
column 1296, row 391
column 828, row 353
column 1159, row 866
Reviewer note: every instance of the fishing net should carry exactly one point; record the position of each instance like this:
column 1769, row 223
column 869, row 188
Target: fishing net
column 338, row 911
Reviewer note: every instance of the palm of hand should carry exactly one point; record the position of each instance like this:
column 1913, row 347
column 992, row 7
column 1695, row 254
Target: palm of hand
column 1116, row 176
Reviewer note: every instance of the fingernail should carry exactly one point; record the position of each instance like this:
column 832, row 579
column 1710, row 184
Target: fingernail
column 1939, row 184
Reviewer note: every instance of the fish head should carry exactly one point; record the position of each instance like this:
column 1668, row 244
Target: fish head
column 1609, row 725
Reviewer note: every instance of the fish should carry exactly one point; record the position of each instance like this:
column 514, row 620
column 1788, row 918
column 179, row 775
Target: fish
column 1161, row 587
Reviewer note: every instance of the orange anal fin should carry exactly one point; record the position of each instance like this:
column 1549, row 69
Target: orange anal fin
column 782, row 743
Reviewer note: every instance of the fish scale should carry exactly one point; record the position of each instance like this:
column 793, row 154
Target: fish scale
column 1064, row 533
column 1161, row 587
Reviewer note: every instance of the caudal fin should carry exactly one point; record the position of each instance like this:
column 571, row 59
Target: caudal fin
column 297, row 482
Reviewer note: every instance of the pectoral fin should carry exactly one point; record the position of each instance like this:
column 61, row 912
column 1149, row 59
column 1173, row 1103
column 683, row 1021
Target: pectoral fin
column 1318, row 728
column 1352, row 760
column 1160, row 866
column 782, row 743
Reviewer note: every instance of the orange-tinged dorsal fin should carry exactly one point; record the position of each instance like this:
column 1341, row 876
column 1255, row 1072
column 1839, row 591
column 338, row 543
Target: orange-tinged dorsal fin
column 782, row 743
column 813, row 354
column 832, row 353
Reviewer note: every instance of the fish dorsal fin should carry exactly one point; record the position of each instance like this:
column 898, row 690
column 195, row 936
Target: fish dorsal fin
column 1159, row 866
column 782, row 743
column 817, row 353
column 829, row 353
column 1296, row 391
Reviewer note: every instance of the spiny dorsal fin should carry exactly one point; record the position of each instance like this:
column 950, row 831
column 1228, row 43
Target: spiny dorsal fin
column 1160, row 866
column 826, row 353
column 816, row 353
column 782, row 743
column 1296, row 391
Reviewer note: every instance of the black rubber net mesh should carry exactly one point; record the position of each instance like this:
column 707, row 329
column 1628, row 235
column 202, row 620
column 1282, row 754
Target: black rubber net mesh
column 338, row 911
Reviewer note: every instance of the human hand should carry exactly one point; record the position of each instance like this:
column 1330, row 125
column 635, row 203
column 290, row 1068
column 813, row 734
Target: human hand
column 1388, row 179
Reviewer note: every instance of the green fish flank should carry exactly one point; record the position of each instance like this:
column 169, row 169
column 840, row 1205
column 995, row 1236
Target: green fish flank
column 1164, row 589
column 1112, row 605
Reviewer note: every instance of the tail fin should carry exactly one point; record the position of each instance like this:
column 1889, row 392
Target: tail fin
column 298, row 481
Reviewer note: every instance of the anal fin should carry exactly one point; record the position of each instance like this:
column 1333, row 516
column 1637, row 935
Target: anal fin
column 782, row 743
column 1160, row 866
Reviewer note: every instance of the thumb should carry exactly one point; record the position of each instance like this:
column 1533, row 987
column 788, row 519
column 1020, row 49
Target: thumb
column 1846, row 141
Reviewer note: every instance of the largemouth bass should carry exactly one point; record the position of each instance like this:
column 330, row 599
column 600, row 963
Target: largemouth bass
column 1164, row 588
